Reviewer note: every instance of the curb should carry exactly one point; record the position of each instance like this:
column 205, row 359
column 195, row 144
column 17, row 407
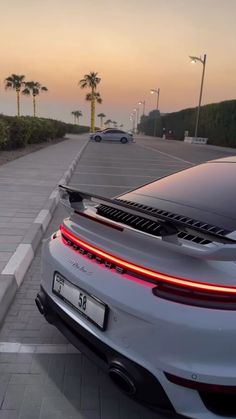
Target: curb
column 13, row 274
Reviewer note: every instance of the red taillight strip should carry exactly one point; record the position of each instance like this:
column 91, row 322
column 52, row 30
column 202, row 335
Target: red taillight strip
column 200, row 386
column 199, row 286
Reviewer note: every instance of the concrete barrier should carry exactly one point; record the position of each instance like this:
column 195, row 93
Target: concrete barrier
column 195, row 140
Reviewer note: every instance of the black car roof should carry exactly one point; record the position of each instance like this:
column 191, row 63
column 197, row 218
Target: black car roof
column 204, row 192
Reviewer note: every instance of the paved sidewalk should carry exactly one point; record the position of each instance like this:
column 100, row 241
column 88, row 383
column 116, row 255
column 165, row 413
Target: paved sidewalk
column 42, row 376
column 28, row 197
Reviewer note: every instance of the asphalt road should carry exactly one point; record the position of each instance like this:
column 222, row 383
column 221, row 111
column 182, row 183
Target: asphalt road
column 192, row 153
column 110, row 168
column 54, row 383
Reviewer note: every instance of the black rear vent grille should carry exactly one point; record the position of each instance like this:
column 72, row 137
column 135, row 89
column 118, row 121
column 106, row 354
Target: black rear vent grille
column 139, row 223
column 154, row 228
column 194, row 239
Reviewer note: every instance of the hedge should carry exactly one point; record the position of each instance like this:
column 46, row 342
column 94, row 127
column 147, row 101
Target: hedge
column 16, row 132
column 217, row 122
column 3, row 134
column 77, row 129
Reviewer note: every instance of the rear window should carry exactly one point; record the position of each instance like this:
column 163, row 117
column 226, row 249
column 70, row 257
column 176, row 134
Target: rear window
column 209, row 186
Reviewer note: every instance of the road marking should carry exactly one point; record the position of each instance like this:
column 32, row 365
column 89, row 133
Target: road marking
column 22, row 348
column 166, row 154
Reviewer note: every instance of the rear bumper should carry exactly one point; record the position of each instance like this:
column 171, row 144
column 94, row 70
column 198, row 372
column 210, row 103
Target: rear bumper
column 147, row 333
column 148, row 390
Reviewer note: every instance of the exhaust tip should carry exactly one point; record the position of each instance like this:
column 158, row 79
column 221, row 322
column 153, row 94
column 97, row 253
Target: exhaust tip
column 122, row 380
column 39, row 304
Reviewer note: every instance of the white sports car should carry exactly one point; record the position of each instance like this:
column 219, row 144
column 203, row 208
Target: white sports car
column 145, row 283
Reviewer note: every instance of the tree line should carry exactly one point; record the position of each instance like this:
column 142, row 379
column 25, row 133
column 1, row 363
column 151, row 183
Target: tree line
column 34, row 88
column 217, row 123
column 28, row 88
column 77, row 114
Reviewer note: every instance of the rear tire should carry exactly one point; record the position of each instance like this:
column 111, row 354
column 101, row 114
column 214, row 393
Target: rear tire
column 123, row 140
column 97, row 138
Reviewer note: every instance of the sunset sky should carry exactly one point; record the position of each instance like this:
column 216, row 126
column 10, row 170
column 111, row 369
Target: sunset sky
column 134, row 45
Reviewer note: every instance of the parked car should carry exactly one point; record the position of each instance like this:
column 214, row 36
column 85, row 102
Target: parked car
column 145, row 284
column 112, row 134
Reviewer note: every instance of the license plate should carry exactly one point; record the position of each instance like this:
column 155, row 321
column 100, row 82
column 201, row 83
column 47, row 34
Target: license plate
column 83, row 302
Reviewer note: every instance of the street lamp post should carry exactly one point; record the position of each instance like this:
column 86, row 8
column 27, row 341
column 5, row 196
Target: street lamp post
column 137, row 119
column 203, row 61
column 142, row 102
column 157, row 91
column 136, row 110
column 132, row 118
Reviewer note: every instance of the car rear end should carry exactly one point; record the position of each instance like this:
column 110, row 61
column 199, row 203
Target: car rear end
column 155, row 308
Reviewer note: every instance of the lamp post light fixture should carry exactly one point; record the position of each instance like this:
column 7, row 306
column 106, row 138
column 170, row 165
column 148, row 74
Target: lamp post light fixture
column 203, row 62
column 157, row 91
column 142, row 102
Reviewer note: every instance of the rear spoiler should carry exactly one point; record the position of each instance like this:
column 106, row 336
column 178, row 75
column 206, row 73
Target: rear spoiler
column 79, row 201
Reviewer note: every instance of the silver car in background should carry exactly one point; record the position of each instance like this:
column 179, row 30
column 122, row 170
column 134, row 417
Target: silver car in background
column 112, row 134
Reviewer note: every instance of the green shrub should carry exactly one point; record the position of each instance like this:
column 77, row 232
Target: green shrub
column 77, row 129
column 48, row 131
column 35, row 130
column 4, row 134
column 60, row 128
column 40, row 130
column 19, row 132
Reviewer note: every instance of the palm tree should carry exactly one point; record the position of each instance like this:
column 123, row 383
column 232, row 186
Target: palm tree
column 33, row 88
column 91, row 80
column 108, row 122
column 101, row 116
column 15, row 82
column 77, row 115
column 95, row 98
column 74, row 114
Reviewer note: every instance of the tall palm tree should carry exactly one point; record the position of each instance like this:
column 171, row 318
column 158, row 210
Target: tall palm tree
column 74, row 114
column 101, row 116
column 108, row 122
column 96, row 97
column 77, row 115
column 33, row 88
column 15, row 82
column 91, row 81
